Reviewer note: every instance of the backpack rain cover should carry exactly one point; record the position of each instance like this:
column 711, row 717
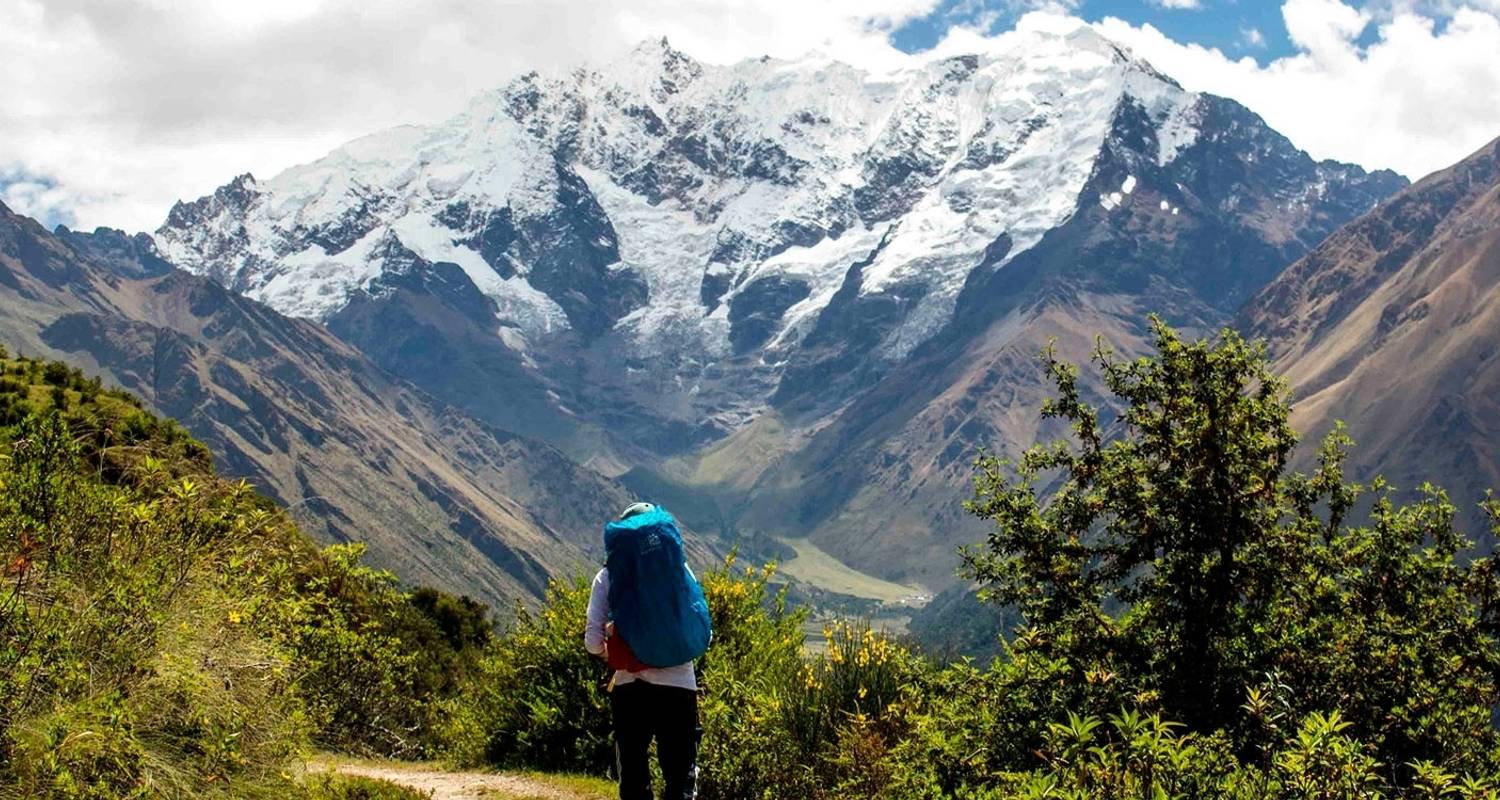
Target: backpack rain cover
column 655, row 603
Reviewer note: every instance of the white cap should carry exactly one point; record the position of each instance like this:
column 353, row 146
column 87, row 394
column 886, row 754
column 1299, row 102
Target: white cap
column 633, row 509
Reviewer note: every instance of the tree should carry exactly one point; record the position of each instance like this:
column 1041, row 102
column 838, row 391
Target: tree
column 1179, row 562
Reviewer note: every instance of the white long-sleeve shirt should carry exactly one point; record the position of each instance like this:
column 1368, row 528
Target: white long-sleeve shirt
column 680, row 676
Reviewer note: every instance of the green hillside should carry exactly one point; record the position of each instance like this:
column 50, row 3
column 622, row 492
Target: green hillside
column 168, row 633
column 1191, row 620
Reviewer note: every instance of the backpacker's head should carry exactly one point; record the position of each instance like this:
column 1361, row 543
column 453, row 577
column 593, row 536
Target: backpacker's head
column 645, row 521
column 634, row 509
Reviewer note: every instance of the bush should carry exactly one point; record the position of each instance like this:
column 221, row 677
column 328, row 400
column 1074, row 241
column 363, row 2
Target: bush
column 753, row 675
column 164, row 632
column 56, row 373
column 118, row 676
column 1180, row 569
column 536, row 698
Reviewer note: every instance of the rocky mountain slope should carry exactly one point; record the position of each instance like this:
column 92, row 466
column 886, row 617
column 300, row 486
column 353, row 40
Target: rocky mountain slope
column 1393, row 326
column 899, row 456
column 356, row 453
column 800, row 290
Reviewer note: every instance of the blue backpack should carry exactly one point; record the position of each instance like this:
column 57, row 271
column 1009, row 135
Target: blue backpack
column 656, row 604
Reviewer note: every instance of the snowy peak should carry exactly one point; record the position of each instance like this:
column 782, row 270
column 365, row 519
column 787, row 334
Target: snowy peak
column 702, row 221
column 667, row 71
column 232, row 196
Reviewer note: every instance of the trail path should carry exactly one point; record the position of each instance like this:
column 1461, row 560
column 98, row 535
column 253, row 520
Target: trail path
column 459, row 785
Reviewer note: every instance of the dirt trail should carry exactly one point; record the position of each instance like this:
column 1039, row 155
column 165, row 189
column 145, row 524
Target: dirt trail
column 459, row 785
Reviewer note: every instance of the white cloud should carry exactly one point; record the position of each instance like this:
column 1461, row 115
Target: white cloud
column 1057, row 7
column 1324, row 29
column 1252, row 37
column 110, row 111
column 1185, row 5
column 129, row 105
column 41, row 198
column 1417, row 99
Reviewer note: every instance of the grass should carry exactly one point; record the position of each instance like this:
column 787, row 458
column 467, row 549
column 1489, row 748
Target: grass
column 814, row 566
column 330, row 786
column 738, row 460
column 581, row 787
column 327, row 761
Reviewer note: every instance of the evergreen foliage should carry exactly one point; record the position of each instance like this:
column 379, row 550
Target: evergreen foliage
column 167, row 633
column 1181, row 569
column 1190, row 620
column 1195, row 621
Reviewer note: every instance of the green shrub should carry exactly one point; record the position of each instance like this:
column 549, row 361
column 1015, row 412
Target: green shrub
column 362, row 654
column 752, row 677
column 1177, row 565
column 164, row 632
column 536, row 698
column 117, row 676
column 56, row 373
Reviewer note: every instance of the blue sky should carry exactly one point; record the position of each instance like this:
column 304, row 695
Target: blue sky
column 1222, row 24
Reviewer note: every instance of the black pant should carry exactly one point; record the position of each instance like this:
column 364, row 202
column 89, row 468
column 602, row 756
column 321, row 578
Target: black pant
column 642, row 711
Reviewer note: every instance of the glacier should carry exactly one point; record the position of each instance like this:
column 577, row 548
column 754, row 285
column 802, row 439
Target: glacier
column 701, row 187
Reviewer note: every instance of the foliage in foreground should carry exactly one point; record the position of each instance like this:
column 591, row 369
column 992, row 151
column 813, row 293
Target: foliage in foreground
column 329, row 786
column 166, row 633
column 1180, row 570
column 1197, row 622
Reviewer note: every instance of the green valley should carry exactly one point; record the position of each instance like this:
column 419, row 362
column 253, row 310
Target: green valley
column 170, row 633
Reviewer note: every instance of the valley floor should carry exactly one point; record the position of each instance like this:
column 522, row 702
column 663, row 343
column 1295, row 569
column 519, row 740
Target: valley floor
column 815, row 566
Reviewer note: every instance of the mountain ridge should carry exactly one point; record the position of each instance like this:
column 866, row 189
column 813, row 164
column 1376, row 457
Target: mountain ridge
column 438, row 496
column 639, row 263
column 733, row 167
column 1389, row 325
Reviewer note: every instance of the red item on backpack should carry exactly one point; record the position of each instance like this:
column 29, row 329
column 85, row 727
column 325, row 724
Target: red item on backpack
column 619, row 656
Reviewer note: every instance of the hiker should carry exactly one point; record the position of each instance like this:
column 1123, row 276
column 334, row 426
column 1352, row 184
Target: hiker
column 648, row 618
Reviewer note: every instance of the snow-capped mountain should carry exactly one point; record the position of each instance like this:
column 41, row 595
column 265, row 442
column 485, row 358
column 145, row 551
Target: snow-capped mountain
column 639, row 259
column 696, row 211
column 351, row 451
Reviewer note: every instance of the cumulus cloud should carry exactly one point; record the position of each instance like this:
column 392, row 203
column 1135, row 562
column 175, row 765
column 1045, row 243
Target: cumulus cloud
column 111, row 111
column 1419, row 97
column 1252, row 37
column 37, row 197
column 122, row 107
